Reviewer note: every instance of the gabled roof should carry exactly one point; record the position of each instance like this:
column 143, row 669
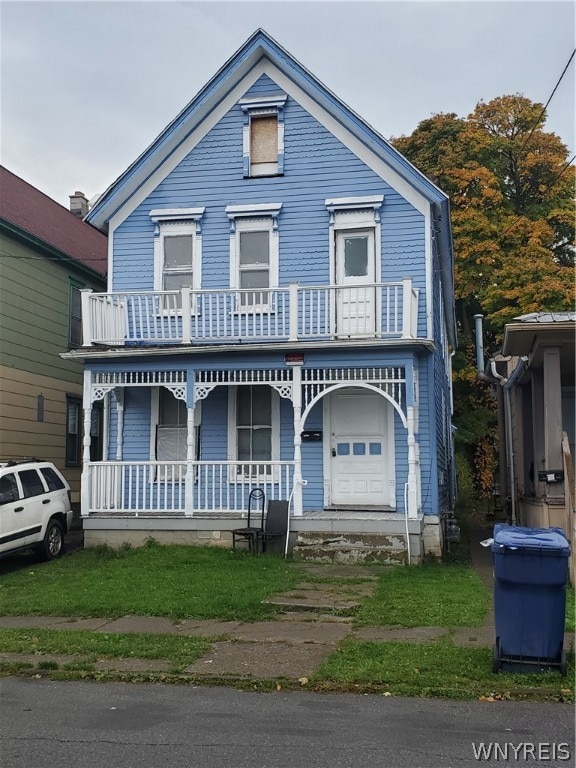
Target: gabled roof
column 258, row 47
column 27, row 212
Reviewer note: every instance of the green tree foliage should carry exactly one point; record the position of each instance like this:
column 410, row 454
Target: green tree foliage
column 512, row 194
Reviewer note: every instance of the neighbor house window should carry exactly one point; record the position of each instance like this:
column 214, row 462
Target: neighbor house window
column 254, row 249
column 263, row 135
column 177, row 251
column 75, row 322
column 73, row 431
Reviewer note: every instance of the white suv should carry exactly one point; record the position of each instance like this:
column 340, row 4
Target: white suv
column 34, row 508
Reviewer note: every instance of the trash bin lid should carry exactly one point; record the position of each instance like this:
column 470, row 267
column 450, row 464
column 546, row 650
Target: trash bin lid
column 519, row 537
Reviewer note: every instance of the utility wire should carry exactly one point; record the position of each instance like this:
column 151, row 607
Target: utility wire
column 546, row 105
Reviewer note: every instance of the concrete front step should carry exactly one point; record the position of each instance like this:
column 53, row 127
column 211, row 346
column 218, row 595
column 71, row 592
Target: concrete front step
column 349, row 555
column 350, row 548
column 336, row 539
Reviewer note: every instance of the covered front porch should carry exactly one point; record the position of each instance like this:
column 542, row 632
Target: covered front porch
column 354, row 531
column 217, row 487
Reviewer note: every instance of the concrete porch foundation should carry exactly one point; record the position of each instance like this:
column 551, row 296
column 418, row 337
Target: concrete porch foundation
column 339, row 537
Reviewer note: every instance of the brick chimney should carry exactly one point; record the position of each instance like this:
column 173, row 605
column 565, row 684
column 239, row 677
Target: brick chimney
column 79, row 204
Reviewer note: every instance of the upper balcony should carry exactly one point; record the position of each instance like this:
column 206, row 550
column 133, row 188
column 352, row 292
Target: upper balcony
column 228, row 316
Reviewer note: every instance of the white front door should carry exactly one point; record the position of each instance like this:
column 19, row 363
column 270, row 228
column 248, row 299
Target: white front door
column 356, row 295
column 362, row 464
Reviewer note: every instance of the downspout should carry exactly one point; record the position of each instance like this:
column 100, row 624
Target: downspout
column 502, row 381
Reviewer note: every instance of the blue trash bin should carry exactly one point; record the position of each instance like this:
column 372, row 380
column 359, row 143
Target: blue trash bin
column 530, row 575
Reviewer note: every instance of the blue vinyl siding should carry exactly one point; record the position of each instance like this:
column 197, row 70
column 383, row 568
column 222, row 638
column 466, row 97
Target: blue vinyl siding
column 317, row 166
column 136, row 424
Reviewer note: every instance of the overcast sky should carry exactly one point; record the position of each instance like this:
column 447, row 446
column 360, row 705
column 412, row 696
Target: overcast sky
column 87, row 86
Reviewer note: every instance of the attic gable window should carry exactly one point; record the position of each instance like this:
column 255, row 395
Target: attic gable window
column 263, row 135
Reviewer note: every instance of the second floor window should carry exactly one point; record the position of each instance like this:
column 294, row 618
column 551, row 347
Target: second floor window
column 254, row 266
column 178, row 262
column 177, row 252
column 254, row 253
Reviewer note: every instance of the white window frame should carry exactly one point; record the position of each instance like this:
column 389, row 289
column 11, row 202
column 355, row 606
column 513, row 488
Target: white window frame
column 178, row 221
column 233, row 434
column 347, row 214
column 155, row 419
column 255, row 218
column 262, row 106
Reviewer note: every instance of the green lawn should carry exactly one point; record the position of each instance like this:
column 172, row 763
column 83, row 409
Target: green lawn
column 181, row 651
column 449, row 595
column 434, row 669
column 172, row 581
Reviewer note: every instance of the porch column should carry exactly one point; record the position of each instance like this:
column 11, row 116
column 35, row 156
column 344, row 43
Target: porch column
column 119, row 395
column 412, row 474
column 297, row 405
column 85, row 494
column 189, row 482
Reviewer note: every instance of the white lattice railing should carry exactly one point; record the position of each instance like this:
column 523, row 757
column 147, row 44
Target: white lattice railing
column 295, row 313
column 142, row 487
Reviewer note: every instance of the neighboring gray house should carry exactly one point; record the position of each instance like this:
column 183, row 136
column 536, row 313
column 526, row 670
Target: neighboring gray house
column 536, row 395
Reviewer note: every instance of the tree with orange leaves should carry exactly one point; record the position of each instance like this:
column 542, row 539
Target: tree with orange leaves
column 512, row 197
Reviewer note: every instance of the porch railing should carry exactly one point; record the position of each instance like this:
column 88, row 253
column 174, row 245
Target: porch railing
column 160, row 487
column 295, row 313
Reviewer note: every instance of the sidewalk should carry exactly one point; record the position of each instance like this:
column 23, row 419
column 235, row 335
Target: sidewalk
column 293, row 646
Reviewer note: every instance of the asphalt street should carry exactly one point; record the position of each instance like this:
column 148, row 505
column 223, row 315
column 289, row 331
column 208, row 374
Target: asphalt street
column 92, row 725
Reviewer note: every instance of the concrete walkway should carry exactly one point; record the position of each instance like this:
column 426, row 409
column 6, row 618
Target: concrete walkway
column 293, row 646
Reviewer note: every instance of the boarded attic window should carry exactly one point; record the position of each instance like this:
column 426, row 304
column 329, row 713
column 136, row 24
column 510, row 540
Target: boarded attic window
column 263, row 145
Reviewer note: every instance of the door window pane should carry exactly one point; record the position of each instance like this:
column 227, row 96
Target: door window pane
column 375, row 449
column 359, row 449
column 343, row 449
column 356, row 256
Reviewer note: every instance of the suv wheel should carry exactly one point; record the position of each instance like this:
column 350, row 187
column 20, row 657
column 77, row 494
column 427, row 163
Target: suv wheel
column 53, row 544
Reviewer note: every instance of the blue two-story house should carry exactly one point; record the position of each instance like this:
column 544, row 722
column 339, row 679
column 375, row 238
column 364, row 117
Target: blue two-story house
column 279, row 315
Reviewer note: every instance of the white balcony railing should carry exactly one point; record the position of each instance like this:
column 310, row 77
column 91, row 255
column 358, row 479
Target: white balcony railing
column 296, row 313
column 159, row 487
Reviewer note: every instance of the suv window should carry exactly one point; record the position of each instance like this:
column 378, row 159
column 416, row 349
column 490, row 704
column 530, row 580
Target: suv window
column 31, row 483
column 52, row 480
column 9, row 487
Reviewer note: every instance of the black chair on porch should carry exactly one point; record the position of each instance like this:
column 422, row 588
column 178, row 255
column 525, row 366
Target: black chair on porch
column 275, row 526
column 251, row 532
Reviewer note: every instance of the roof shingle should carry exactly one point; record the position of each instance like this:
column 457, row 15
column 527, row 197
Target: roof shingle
column 25, row 207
